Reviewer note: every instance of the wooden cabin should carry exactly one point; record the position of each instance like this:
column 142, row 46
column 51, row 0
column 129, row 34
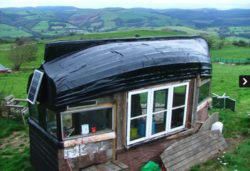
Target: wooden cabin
column 119, row 99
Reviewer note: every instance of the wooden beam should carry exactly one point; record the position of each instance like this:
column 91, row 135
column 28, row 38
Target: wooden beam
column 115, row 129
column 89, row 139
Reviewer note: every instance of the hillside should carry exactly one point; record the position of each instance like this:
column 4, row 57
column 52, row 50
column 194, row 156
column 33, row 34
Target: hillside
column 42, row 22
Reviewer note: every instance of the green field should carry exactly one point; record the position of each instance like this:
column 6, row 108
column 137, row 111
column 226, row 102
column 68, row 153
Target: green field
column 42, row 26
column 122, row 34
column 225, row 80
column 10, row 31
column 231, row 52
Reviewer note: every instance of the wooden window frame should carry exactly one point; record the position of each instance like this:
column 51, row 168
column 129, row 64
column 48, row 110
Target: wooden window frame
column 203, row 103
column 150, row 113
column 85, row 109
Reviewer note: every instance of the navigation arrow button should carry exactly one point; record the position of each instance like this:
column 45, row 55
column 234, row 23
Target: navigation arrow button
column 244, row 81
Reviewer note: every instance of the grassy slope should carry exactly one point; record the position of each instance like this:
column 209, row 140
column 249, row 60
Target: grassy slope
column 11, row 31
column 236, row 124
column 14, row 151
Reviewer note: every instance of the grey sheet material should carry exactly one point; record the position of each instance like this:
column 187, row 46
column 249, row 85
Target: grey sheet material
column 122, row 66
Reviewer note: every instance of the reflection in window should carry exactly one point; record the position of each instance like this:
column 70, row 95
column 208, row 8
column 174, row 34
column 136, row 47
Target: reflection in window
column 33, row 111
column 204, row 91
column 139, row 104
column 179, row 96
column 138, row 128
column 138, row 113
column 51, row 122
column 177, row 117
column 159, row 122
column 160, row 100
column 87, row 122
column 159, row 111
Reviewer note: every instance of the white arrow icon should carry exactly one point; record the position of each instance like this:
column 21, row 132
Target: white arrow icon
column 245, row 81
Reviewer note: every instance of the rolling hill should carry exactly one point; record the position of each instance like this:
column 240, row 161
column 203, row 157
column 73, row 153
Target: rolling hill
column 42, row 22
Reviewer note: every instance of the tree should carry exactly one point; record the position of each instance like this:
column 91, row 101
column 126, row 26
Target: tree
column 22, row 51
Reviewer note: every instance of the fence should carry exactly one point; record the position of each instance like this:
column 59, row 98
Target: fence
column 231, row 61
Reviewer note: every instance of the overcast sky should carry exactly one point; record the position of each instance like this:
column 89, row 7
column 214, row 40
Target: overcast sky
column 220, row 4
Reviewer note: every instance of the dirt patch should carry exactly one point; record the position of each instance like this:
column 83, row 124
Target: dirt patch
column 18, row 140
column 233, row 142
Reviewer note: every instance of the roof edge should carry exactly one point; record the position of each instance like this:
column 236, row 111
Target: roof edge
column 57, row 49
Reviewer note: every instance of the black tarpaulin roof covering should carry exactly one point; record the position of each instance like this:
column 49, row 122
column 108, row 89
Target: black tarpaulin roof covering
column 105, row 69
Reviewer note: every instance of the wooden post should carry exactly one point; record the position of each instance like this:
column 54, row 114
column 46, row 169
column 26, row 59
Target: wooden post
column 115, row 130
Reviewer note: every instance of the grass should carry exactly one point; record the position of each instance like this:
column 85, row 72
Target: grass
column 14, row 151
column 121, row 34
column 231, row 52
column 236, row 124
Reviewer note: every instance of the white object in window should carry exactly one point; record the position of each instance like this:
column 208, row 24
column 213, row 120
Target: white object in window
column 87, row 121
column 85, row 129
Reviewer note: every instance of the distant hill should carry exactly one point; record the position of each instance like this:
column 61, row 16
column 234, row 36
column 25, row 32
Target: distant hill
column 52, row 21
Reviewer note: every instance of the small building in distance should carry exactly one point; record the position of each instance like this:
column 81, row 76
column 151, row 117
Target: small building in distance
column 118, row 99
column 3, row 69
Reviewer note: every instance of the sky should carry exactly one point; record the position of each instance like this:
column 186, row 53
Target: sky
column 159, row 4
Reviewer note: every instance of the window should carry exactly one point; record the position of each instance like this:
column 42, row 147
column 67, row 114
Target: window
column 156, row 111
column 33, row 111
column 204, row 91
column 51, row 122
column 87, row 122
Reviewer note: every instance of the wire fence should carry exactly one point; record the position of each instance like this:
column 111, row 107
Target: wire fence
column 231, row 61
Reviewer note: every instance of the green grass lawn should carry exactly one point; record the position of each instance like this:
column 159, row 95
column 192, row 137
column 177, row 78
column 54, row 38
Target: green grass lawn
column 231, row 52
column 225, row 80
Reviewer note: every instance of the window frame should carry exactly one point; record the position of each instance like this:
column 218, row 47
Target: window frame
column 204, row 101
column 150, row 112
column 37, row 87
column 85, row 109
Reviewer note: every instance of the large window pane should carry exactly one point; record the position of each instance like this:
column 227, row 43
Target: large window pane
column 179, row 96
column 137, row 128
column 87, row 122
column 204, row 91
column 33, row 111
column 51, row 122
column 177, row 117
column 139, row 104
column 160, row 100
column 159, row 122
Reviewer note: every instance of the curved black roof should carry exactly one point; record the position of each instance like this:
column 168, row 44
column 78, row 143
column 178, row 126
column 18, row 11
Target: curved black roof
column 121, row 66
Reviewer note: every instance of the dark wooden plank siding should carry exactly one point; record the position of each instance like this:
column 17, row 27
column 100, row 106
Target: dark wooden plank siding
column 43, row 152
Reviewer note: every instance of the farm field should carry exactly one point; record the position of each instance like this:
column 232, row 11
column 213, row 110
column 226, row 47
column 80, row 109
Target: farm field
column 14, row 150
